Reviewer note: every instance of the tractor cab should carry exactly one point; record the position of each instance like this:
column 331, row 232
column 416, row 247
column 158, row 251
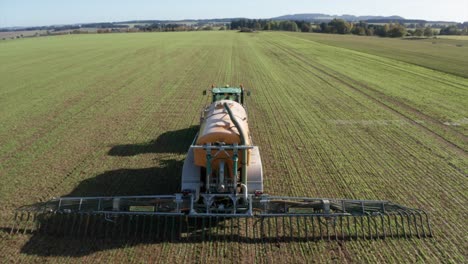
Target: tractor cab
column 228, row 93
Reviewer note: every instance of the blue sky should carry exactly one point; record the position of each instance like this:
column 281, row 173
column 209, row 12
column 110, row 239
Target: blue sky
column 48, row 12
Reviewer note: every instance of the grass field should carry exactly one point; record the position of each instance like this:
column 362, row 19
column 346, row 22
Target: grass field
column 447, row 54
column 463, row 37
column 113, row 114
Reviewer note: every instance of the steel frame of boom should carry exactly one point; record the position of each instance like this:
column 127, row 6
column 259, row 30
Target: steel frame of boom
column 262, row 217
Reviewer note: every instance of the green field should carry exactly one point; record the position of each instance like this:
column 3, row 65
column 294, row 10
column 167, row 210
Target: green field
column 445, row 53
column 344, row 117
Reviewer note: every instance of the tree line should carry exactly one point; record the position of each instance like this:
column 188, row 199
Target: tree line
column 340, row 26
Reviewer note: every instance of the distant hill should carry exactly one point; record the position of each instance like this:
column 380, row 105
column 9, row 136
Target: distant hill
column 315, row 17
column 310, row 17
column 201, row 21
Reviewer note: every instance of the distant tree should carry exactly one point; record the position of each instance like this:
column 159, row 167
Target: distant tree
column 450, row 30
column 305, row 27
column 257, row 26
column 288, row 26
column 340, row 26
column 381, row 31
column 418, row 32
column 396, row 31
column 358, row 30
column 222, row 28
column 428, row 32
column 324, row 28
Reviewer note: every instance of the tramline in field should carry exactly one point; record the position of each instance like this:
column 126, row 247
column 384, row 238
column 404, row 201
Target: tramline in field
column 222, row 196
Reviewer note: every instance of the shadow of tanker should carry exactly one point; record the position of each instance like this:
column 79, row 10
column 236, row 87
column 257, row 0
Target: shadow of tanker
column 159, row 180
column 176, row 142
column 164, row 179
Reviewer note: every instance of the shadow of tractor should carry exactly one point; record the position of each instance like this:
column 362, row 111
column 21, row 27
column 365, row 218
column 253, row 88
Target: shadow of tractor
column 159, row 180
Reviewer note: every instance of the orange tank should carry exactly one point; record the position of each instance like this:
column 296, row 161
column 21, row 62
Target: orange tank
column 216, row 127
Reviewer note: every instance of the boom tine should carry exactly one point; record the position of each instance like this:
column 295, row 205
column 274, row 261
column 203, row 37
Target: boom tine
column 73, row 225
column 397, row 225
column 216, row 227
column 335, row 227
column 306, row 229
column 268, row 234
column 203, row 228
column 246, row 228
column 32, row 222
column 283, row 230
column 33, row 225
column 231, row 226
column 326, row 222
column 382, row 228
column 389, row 220
column 319, row 222
column 20, row 223
column 26, row 223
column 179, row 223
column 80, row 221
column 39, row 222
column 225, row 228
column 238, row 229
column 382, row 222
column 53, row 224
column 86, row 222
column 15, row 220
column 419, row 216
column 377, row 230
column 341, row 229
column 362, row 227
column 298, row 225
column 158, row 225
column 49, row 222
column 129, row 225
column 153, row 224
column 348, row 228
column 276, row 228
column 423, row 228
column 403, row 224
column 428, row 223
column 166, row 227
column 407, row 217
column 134, row 228
column 18, row 228
column 64, row 223
column 313, row 227
column 415, row 224
column 369, row 228
column 355, row 227
column 173, row 228
column 291, row 229
column 116, row 226
column 261, row 230
column 210, row 224
column 143, row 227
